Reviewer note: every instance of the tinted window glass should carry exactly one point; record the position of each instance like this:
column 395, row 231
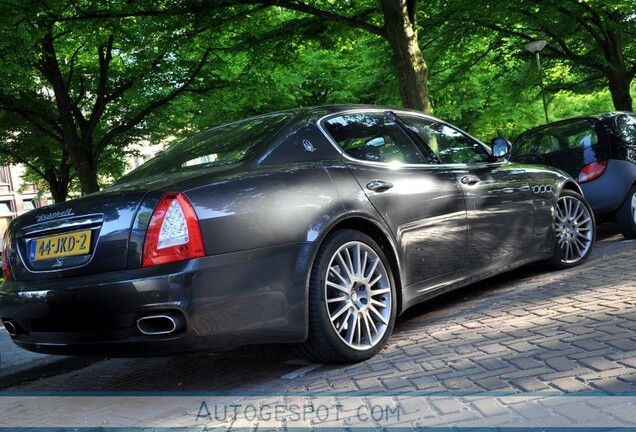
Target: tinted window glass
column 627, row 128
column 372, row 137
column 578, row 134
column 223, row 145
column 450, row 145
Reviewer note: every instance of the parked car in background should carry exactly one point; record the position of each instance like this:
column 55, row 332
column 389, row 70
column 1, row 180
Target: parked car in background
column 315, row 226
column 600, row 152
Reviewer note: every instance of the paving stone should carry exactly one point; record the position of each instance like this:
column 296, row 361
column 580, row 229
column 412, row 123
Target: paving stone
column 560, row 364
column 570, row 385
column 492, row 383
column 599, row 363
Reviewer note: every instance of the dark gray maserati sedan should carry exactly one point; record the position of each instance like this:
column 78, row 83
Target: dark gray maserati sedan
column 314, row 226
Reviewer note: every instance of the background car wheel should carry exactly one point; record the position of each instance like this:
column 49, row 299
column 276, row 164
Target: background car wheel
column 626, row 215
column 352, row 301
column 575, row 230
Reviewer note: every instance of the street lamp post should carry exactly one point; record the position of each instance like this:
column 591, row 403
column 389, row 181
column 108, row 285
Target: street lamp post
column 535, row 47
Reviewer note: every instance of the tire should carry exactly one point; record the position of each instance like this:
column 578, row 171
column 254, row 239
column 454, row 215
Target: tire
column 575, row 231
column 626, row 215
column 352, row 300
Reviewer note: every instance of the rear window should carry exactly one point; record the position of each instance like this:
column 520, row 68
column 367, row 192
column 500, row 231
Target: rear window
column 627, row 128
column 223, row 145
column 578, row 134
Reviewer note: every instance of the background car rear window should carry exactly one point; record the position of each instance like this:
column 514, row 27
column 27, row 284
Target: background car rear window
column 627, row 127
column 450, row 145
column 578, row 134
column 223, row 145
column 373, row 137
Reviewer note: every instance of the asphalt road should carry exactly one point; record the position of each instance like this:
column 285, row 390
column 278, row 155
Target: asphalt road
column 527, row 349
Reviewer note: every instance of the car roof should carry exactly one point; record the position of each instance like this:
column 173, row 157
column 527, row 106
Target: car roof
column 599, row 116
column 320, row 111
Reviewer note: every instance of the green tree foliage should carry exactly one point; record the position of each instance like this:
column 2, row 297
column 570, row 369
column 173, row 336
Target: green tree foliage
column 82, row 80
column 590, row 42
column 103, row 77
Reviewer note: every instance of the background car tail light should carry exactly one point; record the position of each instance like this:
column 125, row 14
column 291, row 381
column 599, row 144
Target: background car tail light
column 174, row 233
column 592, row 171
column 6, row 270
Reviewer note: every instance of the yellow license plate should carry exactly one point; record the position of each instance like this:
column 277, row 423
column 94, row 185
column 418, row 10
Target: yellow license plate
column 60, row 246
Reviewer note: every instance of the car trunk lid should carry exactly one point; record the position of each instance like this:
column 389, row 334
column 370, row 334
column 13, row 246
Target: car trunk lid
column 86, row 235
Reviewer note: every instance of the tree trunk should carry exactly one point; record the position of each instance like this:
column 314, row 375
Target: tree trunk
column 77, row 150
column 409, row 64
column 59, row 191
column 619, row 85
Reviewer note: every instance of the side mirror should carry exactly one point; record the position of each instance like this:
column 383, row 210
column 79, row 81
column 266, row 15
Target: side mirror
column 376, row 142
column 500, row 148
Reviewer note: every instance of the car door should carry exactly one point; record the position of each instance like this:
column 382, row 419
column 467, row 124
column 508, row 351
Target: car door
column 422, row 204
column 499, row 202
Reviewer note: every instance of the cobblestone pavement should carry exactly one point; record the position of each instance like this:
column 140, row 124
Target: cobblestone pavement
column 529, row 332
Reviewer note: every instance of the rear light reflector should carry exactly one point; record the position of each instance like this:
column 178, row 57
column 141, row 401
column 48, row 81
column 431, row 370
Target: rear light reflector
column 6, row 269
column 592, row 171
column 174, row 233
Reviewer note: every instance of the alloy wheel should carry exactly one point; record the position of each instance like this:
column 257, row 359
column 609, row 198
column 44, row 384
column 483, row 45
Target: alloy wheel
column 574, row 228
column 358, row 295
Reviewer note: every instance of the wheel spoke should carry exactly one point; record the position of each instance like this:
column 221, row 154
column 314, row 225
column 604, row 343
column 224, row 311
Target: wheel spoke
column 356, row 260
column 346, row 264
column 380, row 291
column 378, row 315
column 371, row 272
column 374, row 302
column 338, row 287
column 367, row 329
column 340, row 311
column 345, row 321
column 337, row 299
column 367, row 315
column 375, row 281
column 336, row 273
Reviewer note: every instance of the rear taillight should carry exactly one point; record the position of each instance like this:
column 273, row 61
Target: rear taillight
column 174, row 233
column 592, row 171
column 6, row 270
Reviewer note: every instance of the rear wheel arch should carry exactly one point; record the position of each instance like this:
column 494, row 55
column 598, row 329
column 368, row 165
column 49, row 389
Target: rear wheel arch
column 625, row 215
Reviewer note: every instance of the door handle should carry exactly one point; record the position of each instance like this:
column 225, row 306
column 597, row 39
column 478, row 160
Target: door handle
column 379, row 185
column 469, row 180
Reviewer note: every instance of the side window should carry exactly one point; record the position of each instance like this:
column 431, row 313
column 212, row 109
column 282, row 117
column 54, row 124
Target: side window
column 538, row 144
column 450, row 145
column 372, row 137
column 627, row 127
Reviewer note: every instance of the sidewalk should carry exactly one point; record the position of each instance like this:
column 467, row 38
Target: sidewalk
column 18, row 365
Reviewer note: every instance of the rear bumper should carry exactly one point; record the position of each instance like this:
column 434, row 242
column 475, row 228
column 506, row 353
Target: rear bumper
column 607, row 193
column 224, row 301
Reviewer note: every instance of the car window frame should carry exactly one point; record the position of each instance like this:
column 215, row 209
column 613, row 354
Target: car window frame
column 389, row 165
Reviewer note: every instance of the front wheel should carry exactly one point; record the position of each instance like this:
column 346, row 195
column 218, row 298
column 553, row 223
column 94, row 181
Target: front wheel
column 575, row 230
column 352, row 301
column 626, row 215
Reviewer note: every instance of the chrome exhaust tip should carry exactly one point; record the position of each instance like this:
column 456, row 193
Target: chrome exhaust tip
column 10, row 328
column 160, row 324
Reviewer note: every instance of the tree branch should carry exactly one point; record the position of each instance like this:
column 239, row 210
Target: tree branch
column 139, row 117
